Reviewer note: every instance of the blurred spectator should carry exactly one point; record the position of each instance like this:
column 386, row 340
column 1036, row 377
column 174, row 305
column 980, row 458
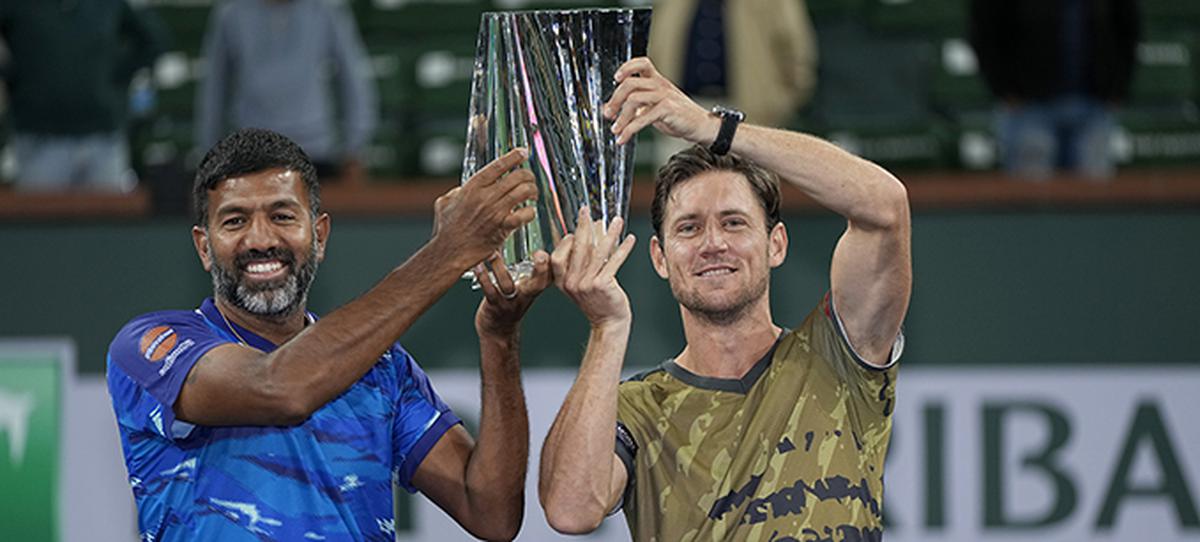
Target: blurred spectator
column 68, row 81
column 272, row 64
column 759, row 56
column 1059, row 69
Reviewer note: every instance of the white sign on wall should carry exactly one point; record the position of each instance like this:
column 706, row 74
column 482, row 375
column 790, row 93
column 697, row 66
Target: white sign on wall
column 1068, row 454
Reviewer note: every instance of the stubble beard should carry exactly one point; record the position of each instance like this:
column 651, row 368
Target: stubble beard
column 716, row 312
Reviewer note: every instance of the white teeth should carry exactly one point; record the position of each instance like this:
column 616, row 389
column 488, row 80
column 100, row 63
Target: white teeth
column 714, row 272
column 265, row 267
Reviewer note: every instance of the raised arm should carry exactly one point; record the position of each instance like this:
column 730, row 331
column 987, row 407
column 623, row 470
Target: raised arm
column 482, row 485
column 238, row 385
column 871, row 272
column 581, row 476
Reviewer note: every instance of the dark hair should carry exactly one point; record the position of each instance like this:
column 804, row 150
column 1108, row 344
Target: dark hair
column 251, row 150
column 691, row 162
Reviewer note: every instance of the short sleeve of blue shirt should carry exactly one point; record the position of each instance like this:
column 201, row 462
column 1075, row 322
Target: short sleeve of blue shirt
column 148, row 362
column 421, row 418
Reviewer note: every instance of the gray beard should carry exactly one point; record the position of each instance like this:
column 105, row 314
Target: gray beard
column 270, row 301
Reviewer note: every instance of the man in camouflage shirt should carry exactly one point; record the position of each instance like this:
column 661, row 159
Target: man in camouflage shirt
column 754, row 431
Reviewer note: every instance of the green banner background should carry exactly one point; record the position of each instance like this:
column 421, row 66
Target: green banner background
column 29, row 477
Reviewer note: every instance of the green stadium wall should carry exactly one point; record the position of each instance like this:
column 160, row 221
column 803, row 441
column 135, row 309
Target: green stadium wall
column 1029, row 287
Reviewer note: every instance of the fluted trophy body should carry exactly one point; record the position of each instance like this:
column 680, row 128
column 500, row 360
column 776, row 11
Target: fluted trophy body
column 540, row 81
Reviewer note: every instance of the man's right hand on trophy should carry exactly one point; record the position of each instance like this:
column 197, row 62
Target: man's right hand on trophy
column 585, row 266
column 473, row 220
column 645, row 97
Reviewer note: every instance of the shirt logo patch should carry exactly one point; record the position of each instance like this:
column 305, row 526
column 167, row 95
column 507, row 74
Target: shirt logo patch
column 157, row 343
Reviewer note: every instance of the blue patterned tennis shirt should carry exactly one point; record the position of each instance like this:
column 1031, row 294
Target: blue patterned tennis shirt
column 329, row 478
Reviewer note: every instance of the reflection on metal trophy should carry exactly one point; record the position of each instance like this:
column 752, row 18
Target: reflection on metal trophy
column 540, row 81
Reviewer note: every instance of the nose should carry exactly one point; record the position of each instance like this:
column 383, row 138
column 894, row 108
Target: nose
column 713, row 240
column 260, row 235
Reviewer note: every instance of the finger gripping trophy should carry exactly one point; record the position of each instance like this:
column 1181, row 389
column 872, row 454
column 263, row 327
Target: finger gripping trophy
column 540, row 81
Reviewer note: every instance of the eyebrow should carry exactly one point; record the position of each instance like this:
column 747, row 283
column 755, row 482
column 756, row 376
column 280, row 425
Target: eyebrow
column 275, row 205
column 722, row 214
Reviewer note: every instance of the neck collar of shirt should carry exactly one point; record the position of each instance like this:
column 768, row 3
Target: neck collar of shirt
column 210, row 312
column 736, row 385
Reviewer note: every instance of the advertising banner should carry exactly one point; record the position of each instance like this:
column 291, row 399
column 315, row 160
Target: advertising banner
column 998, row 454
column 34, row 376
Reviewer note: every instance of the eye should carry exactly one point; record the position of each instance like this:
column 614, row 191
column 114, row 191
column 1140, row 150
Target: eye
column 687, row 228
column 283, row 217
column 735, row 222
column 233, row 221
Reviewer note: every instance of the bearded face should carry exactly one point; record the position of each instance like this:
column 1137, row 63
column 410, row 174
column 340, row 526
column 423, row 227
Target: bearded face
column 275, row 297
column 726, row 303
column 715, row 251
column 262, row 243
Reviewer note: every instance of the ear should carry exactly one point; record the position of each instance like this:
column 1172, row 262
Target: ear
column 200, row 240
column 321, row 228
column 658, row 258
column 777, row 245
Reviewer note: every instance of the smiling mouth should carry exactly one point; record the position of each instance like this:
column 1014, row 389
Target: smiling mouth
column 721, row 271
column 264, row 269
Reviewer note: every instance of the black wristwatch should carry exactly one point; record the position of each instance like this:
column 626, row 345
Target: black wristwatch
column 730, row 118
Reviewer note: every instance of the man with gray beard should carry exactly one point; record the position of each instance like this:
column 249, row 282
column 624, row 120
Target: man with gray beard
column 250, row 419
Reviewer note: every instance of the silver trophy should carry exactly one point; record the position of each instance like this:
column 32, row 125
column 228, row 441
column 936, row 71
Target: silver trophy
column 540, row 81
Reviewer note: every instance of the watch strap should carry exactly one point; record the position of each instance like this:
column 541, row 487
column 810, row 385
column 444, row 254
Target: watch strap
column 730, row 118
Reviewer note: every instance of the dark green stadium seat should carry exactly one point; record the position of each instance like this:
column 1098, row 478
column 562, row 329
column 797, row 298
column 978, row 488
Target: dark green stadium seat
column 821, row 10
column 645, row 157
column 873, row 97
column 441, row 74
column 186, row 21
column 419, row 145
column 863, row 77
column 161, row 140
column 176, row 74
column 525, row 5
column 924, row 145
column 973, row 141
column 1170, row 14
column 389, row 156
column 1157, row 136
column 440, row 143
column 390, row 68
column 929, row 18
column 403, row 19
column 1166, row 69
column 956, row 85
column 428, row 74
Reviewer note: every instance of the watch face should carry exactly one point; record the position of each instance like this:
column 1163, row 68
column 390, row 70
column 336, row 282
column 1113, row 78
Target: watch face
column 723, row 111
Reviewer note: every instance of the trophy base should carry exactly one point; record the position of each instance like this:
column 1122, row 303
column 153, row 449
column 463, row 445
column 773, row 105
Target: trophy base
column 518, row 271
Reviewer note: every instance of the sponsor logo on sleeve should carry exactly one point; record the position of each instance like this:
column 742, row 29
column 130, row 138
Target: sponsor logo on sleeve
column 174, row 355
column 157, row 342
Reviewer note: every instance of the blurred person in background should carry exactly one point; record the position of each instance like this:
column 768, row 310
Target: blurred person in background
column 759, row 56
column 279, row 64
column 68, row 77
column 1059, row 68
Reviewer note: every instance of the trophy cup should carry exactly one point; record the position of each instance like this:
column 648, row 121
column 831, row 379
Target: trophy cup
column 540, row 81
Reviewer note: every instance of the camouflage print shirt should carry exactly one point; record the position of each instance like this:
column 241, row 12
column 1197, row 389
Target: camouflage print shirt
column 792, row 451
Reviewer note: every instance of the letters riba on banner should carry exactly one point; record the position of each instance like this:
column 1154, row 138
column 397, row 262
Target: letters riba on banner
column 1058, row 453
column 1012, row 453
